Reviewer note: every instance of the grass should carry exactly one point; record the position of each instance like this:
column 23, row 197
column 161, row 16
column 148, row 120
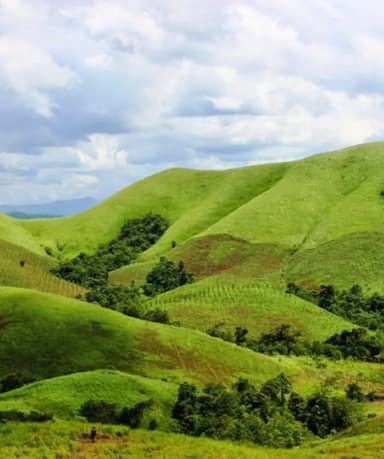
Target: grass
column 256, row 305
column 20, row 267
column 353, row 259
column 63, row 439
column 191, row 200
column 63, row 396
column 61, row 336
column 244, row 233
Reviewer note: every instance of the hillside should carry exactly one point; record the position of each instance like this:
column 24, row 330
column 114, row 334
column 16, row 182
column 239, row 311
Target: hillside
column 69, row 439
column 286, row 205
column 62, row 336
column 20, row 267
column 64, row 395
column 244, row 234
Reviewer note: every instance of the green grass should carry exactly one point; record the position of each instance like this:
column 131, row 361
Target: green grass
column 34, row 273
column 301, row 204
column 191, row 200
column 255, row 305
column 47, row 335
column 69, row 439
column 353, row 259
column 63, row 396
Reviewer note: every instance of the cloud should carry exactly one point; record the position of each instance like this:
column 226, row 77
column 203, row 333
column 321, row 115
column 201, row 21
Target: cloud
column 97, row 94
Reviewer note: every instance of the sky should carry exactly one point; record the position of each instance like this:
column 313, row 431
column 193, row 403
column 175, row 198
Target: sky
column 95, row 95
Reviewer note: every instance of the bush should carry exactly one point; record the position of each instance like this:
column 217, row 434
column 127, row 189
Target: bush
column 166, row 276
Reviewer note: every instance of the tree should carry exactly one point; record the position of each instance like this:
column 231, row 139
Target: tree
column 240, row 334
column 166, row 276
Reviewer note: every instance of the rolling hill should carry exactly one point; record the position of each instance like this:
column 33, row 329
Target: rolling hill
column 244, row 233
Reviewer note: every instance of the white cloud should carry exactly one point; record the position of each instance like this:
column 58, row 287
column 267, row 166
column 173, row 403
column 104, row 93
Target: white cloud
column 123, row 88
column 29, row 71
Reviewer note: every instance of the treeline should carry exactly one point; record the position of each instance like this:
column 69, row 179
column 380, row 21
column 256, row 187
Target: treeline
column 356, row 344
column 366, row 311
column 273, row 415
column 110, row 413
column 136, row 235
column 91, row 271
column 20, row 416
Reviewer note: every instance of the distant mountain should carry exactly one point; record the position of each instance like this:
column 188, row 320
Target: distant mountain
column 49, row 209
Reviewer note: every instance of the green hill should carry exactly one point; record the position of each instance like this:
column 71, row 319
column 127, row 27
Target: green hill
column 63, row 396
column 298, row 205
column 20, row 267
column 61, row 336
column 244, row 233
column 70, row 439
column 257, row 306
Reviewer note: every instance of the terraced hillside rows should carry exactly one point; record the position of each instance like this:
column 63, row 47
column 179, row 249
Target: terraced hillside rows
column 20, row 267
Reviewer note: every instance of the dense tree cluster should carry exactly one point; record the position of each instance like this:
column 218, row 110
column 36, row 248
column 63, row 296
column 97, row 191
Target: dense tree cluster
column 91, row 271
column 350, row 304
column 13, row 381
column 136, row 235
column 20, row 416
column 127, row 300
column 166, row 276
column 272, row 415
column 357, row 343
column 109, row 413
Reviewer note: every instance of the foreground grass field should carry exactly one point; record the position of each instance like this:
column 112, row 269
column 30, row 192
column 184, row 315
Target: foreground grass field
column 63, row 396
column 68, row 440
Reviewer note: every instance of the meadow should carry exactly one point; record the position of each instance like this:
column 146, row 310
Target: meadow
column 244, row 234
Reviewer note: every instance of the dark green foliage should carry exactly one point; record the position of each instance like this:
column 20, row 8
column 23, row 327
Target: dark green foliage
column 108, row 413
column 166, row 276
column 217, row 331
column 99, row 411
column 354, row 392
column 282, row 340
column 133, row 417
column 120, row 298
column 240, row 335
column 137, row 235
column 357, row 344
column 19, row 416
column 13, row 381
column 126, row 300
column 244, row 413
column 91, row 271
column 157, row 315
column 350, row 304
column 325, row 413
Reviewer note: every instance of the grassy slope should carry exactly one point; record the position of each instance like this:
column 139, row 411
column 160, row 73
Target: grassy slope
column 61, row 336
column 64, row 395
column 11, row 230
column 353, row 259
column 257, row 306
column 35, row 273
column 65, row 439
column 191, row 200
column 301, row 204
column 318, row 199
